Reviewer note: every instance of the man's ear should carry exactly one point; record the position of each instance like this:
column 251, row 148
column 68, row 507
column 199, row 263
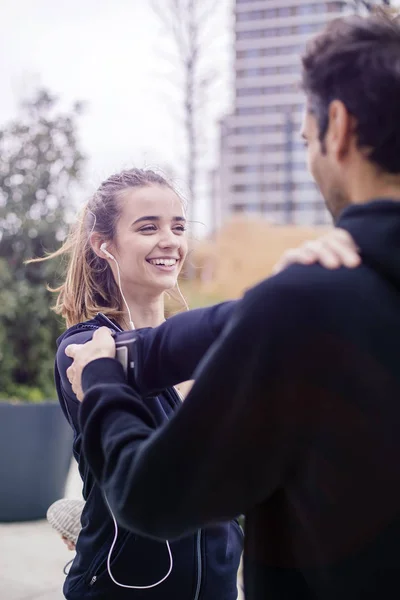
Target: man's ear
column 341, row 129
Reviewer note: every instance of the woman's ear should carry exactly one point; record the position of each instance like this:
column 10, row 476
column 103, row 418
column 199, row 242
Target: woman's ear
column 96, row 241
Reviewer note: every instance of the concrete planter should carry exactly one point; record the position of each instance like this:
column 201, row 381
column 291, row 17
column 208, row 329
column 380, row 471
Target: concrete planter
column 35, row 456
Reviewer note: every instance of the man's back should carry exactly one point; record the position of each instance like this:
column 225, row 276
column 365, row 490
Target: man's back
column 331, row 528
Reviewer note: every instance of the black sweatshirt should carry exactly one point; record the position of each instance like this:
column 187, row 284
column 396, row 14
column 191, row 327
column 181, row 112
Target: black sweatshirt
column 293, row 420
column 205, row 563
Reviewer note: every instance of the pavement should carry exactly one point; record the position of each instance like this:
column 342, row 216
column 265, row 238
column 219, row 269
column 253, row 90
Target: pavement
column 32, row 556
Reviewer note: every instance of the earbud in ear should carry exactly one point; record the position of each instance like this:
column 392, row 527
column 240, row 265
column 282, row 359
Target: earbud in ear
column 103, row 248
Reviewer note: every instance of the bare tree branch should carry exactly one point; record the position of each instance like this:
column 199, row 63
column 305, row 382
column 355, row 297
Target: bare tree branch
column 171, row 15
column 188, row 22
column 209, row 11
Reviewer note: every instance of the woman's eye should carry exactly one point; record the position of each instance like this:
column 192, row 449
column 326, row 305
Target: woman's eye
column 148, row 228
column 180, row 228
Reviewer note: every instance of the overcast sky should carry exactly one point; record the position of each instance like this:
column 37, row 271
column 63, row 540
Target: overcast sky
column 116, row 57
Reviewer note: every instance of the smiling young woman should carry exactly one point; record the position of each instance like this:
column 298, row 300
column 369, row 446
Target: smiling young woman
column 126, row 251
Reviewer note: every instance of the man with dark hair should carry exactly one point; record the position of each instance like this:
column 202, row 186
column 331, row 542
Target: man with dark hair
column 351, row 77
column 295, row 414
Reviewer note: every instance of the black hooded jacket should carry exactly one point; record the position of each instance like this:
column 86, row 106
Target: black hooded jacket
column 294, row 420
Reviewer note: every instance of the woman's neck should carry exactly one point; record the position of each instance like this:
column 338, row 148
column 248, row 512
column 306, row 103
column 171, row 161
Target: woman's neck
column 145, row 312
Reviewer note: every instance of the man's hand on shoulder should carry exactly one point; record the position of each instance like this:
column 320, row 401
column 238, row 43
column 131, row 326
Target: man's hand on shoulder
column 332, row 250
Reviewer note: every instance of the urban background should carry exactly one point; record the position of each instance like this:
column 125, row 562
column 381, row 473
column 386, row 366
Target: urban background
column 204, row 90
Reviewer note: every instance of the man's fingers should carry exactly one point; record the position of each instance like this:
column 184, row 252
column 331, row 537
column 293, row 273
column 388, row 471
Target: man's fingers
column 302, row 255
column 103, row 342
column 333, row 250
column 102, row 334
column 347, row 255
column 323, row 254
column 70, row 373
column 343, row 237
column 71, row 350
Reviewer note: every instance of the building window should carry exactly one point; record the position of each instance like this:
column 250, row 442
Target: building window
column 275, row 186
column 264, row 148
column 275, row 70
column 247, row 169
column 290, row 166
column 250, row 72
column 247, row 149
column 249, row 92
column 250, row 110
column 269, row 168
column 308, row 27
column 268, row 109
column 251, row 187
column 304, row 206
column 254, row 129
column 306, row 9
column 304, row 185
column 287, row 69
column 250, row 53
column 248, row 209
column 272, row 51
column 250, row 15
column 286, row 11
column 297, row 146
column 335, row 6
column 278, row 31
column 269, row 51
column 259, row 91
column 298, row 166
column 249, row 35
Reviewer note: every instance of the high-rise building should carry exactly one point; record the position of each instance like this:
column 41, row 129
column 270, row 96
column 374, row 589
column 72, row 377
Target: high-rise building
column 263, row 169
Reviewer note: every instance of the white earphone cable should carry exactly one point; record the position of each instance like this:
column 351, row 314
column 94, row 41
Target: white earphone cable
column 134, row 587
column 122, row 294
column 171, row 562
column 182, row 296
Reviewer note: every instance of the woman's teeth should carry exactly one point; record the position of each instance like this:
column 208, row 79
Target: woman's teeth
column 167, row 262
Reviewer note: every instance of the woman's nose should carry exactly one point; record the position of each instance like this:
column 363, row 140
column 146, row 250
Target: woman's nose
column 169, row 240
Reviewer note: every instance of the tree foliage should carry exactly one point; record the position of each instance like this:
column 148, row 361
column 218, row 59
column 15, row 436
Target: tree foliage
column 40, row 169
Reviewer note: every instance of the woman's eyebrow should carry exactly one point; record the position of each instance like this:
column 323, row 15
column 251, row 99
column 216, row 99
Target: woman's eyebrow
column 154, row 218
column 149, row 218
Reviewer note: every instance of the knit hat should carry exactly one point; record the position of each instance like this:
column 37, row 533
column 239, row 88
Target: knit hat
column 65, row 517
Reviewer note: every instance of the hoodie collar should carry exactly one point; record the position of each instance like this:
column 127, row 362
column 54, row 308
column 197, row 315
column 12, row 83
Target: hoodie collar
column 94, row 323
column 375, row 228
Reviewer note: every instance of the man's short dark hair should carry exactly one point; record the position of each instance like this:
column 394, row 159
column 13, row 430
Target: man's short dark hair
column 357, row 60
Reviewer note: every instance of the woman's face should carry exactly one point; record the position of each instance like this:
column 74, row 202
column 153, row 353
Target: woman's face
column 150, row 243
